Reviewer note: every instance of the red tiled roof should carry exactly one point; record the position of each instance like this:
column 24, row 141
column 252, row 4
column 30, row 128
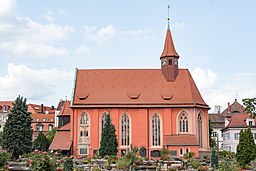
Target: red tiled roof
column 65, row 127
column 61, row 141
column 37, row 109
column 238, row 121
column 8, row 103
column 169, row 49
column 65, row 110
column 43, row 118
column 234, row 108
column 135, row 87
column 181, row 139
column 61, row 103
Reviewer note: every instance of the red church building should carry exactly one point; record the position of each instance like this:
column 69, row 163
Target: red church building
column 150, row 108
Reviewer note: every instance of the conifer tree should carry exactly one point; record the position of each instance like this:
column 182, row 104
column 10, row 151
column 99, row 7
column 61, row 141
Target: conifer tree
column 41, row 142
column 246, row 149
column 17, row 136
column 108, row 143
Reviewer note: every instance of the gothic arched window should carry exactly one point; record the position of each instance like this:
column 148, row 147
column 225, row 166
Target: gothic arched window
column 125, row 124
column 84, row 127
column 156, row 130
column 103, row 120
column 200, row 130
column 183, row 121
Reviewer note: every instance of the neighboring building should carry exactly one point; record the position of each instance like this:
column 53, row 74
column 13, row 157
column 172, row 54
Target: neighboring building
column 62, row 139
column 57, row 111
column 5, row 109
column 233, row 126
column 43, row 118
column 150, row 108
column 218, row 120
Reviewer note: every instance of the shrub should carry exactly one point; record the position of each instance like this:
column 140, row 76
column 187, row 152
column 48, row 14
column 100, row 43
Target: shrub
column 39, row 161
column 122, row 163
column 195, row 164
column 4, row 156
column 68, row 164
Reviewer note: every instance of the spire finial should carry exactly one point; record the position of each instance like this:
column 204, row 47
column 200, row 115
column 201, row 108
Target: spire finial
column 168, row 18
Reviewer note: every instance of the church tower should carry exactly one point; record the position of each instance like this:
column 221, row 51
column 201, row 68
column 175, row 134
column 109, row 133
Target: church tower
column 169, row 58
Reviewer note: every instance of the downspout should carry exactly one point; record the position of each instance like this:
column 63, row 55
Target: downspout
column 148, row 129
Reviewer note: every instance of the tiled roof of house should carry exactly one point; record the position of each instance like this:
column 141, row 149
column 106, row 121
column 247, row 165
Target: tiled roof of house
column 129, row 87
column 65, row 109
column 65, row 127
column 40, row 109
column 238, row 121
column 217, row 120
column 8, row 104
column 181, row 139
column 233, row 108
column 60, row 104
column 61, row 141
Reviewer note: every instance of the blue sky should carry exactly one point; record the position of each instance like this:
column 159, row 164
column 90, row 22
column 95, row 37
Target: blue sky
column 42, row 42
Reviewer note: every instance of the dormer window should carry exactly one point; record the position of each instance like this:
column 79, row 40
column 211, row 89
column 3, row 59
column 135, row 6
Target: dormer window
column 250, row 123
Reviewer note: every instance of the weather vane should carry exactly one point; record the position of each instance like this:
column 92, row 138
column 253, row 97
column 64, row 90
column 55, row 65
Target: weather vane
column 168, row 12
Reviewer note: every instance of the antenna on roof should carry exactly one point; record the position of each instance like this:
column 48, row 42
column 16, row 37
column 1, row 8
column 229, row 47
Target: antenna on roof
column 168, row 18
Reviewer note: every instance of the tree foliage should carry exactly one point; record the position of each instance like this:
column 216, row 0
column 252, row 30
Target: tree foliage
column 17, row 136
column 41, row 142
column 50, row 135
column 246, row 149
column 108, row 143
column 211, row 139
column 250, row 106
column 1, row 139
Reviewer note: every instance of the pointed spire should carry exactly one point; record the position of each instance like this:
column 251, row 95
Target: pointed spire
column 169, row 49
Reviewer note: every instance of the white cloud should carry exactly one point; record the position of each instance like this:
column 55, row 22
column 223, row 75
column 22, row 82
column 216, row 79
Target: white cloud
column 219, row 90
column 32, row 50
column 34, row 84
column 100, row 35
column 37, row 32
column 28, row 38
column 81, row 50
column 7, row 8
column 109, row 32
column 204, row 78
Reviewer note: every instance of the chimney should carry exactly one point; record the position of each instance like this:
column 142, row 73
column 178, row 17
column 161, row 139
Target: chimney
column 229, row 108
column 42, row 108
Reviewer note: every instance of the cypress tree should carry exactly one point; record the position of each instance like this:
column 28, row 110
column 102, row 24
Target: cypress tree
column 108, row 143
column 17, row 136
column 246, row 149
